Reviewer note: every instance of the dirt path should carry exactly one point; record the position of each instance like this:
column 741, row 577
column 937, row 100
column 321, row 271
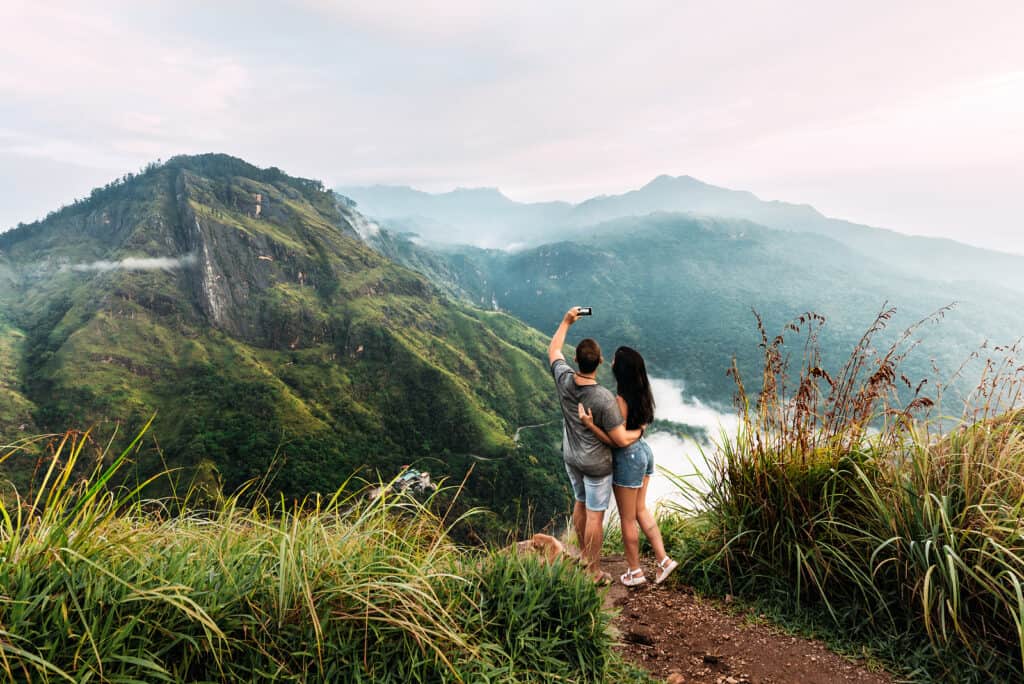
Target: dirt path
column 680, row 637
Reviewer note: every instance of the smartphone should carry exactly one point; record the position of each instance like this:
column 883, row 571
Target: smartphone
column 585, row 311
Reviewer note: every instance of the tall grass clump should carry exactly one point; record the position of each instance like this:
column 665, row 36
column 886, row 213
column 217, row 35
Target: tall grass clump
column 97, row 584
column 840, row 494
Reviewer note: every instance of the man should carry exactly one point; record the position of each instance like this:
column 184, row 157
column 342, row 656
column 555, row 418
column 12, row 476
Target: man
column 588, row 461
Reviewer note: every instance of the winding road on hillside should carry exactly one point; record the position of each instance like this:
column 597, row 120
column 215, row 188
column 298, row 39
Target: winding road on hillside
column 515, row 438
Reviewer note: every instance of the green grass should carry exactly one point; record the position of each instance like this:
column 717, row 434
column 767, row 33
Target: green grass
column 99, row 585
column 849, row 517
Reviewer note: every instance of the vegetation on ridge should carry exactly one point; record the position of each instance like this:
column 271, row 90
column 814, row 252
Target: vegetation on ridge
column 835, row 499
column 98, row 584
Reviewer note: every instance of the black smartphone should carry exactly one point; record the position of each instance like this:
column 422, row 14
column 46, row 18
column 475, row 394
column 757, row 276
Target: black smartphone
column 585, row 311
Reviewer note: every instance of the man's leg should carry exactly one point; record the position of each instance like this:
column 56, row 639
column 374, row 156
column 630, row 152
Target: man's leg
column 598, row 495
column 579, row 509
column 579, row 522
column 594, row 536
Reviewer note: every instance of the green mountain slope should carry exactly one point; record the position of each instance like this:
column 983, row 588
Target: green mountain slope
column 681, row 289
column 239, row 304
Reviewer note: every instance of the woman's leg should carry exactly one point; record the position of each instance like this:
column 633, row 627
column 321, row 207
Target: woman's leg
column 625, row 499
column 647, row 522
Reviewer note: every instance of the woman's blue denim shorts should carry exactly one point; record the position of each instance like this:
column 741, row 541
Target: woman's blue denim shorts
column 631, row 464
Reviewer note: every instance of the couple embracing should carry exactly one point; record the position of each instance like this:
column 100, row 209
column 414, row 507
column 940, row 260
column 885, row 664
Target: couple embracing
column 604, row 450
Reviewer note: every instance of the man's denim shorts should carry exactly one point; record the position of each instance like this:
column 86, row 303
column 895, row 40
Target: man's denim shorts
column 631, row 464
column 595, row 492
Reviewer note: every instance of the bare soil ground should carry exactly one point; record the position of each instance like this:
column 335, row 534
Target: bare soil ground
column 680, row 637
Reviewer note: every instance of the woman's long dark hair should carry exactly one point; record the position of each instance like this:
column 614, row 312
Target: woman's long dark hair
column 633, row 386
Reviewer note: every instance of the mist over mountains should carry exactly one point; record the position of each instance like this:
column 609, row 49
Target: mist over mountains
column 484, row 217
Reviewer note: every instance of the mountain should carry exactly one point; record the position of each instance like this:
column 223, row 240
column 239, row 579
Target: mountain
column 445, row 218
column 681, row 288
column 480, row 216
column 932, row 258
column 240, row 305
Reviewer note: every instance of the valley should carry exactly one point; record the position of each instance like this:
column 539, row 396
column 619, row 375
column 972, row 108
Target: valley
column 684, row 290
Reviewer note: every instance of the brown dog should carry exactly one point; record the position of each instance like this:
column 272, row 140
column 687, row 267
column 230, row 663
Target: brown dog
column 545, row 545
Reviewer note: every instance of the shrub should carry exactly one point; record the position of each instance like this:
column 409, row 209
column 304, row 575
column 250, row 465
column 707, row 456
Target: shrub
column 98, row 584
column 836, row 493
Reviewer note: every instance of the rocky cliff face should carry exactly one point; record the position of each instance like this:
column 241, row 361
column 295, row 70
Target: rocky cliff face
column 228, row 270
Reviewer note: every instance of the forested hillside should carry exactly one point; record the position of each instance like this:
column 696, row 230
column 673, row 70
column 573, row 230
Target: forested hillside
column 239, row 305
column 683, row 289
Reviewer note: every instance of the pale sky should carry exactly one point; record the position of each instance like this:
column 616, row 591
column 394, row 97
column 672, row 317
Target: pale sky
column 906, row 115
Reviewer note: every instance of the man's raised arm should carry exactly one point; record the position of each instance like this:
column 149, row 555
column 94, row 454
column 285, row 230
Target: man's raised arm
column 558, row 339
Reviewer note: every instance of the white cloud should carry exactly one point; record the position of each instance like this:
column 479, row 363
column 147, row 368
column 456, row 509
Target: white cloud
column 366, row 228
column 411, row 19
column 95, row 89
column 135, row 264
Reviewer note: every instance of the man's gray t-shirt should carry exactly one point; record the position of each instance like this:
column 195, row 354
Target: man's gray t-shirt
column 580, row 447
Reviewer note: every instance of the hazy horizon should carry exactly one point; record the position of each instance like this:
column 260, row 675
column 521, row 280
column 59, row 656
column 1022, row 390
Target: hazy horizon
column 878, row 114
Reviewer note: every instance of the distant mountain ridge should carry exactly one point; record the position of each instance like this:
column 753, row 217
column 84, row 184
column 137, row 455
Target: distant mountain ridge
column 482, row 216
column 446, row 218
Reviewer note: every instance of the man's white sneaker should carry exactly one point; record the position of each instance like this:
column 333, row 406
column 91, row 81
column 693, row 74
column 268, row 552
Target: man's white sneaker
column 665, row 567
column 633, row 578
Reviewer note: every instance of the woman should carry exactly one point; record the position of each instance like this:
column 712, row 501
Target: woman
column 633, row 465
